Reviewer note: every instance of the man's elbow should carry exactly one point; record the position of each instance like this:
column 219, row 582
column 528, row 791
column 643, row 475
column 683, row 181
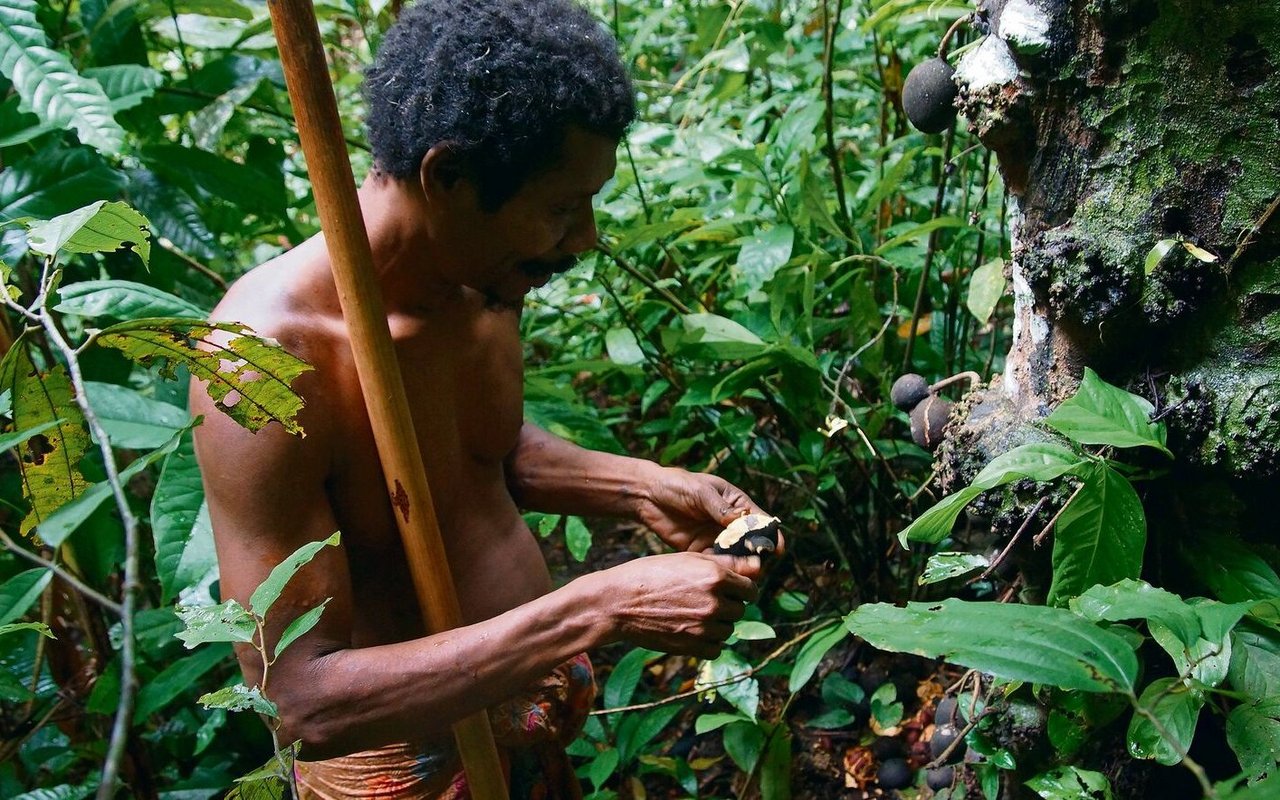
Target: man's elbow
column 317, row 725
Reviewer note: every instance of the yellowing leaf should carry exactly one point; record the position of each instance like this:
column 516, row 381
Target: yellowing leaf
column 48, row 462
column 249, row 378
column 100, row 227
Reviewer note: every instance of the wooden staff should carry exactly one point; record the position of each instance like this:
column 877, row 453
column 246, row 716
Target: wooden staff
column 320, row 131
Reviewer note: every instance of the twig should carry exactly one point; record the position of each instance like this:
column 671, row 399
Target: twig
column 1187, row 761
column 645, row 279
column 931, row 252
column 1049, row 525
column 829, row 26
column 74, row 582
column 1247, row 239
column 129, row 591
column 740, row 677
column 946, row 39
column 974, row 381
column 999, row 559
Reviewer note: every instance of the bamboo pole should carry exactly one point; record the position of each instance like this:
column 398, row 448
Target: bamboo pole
column 320, row 131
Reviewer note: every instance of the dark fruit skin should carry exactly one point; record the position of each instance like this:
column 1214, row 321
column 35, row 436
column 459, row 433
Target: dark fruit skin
column 908, row 390
column 945, row 713
column 753, row 534
column 894, row 773
column 928, row 420
column 887, row 747
column 928, row 94
column 943, row 736
column 940, row 778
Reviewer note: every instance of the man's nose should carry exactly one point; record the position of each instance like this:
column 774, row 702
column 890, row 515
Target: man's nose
column 581, row 235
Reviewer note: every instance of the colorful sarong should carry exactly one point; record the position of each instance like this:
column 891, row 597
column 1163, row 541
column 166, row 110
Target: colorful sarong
column 531, row 730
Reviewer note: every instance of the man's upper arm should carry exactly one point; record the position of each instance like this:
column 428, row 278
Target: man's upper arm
column 266, row 495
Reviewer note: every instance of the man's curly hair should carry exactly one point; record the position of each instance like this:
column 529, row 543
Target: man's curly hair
column 498, row 79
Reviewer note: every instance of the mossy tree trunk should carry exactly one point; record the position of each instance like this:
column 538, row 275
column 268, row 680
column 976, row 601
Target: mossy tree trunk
column 1119, row 124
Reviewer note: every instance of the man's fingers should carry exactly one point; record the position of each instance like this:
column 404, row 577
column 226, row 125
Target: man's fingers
column 743, row 570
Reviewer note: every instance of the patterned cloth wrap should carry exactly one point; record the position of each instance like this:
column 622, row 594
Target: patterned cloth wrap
column 531, row 730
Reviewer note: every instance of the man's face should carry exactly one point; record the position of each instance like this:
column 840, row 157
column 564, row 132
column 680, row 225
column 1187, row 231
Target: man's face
column 541, row 229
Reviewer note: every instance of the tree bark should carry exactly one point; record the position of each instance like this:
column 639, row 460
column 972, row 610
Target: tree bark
column 1119, row 124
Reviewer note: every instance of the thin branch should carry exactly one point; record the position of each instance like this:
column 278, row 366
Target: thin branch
column 645, row 279
column 739, row 678
column 1049, row 525
column 999, row 559
column 71, row 580
column 1247, row 238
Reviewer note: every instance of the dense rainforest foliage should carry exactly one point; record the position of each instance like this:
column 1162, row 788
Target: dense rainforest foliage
column 778, row 247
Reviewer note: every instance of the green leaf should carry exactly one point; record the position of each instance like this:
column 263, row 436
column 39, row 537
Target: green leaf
column 178, row 677
column 240, row 698
column 945, row 566
column 626, row 676
column 1199, row 253
column 225, row 622
column 49, row 85
column 1071, row 783
column 39, row 627
column 269, row 590
column 1177, row 708
column 601, row 767
column 1038, row 461
column 706, row 723
column 1130, row 599
column 1229, row 568
column 1236, row 789
column 749, row 630
column 1042, row 645
column 920, row 230
column 247, row 376
column 175, row 216
column 1157, row 254
column 763, row 253
column 717, row 337
column 637, row 730
column 11, row 440
column 19, row 592
column 885, row 708
column 1100, row 536
column 740, row 692
column 622, row 346
column 1253, row 731
column 1255, row 660
column 300, row 627
column 201, row 173
column 811, row 653
column 577, row 537
column 180, row 524
column 68, row 517
column 132, row 420
column 126, row 85
column 744, row 742
column 49, row 462
column 64, row 792
column 775, row 770
column 986, row 287
column 1099, row 413
column 123, row 300
column 100, row 227
column 54, row 181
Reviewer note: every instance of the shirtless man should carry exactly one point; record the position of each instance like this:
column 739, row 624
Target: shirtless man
column 493, row 123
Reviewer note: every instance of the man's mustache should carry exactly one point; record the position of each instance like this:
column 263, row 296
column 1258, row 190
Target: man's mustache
column 541, row 269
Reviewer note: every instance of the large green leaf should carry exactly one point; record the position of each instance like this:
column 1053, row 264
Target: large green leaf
column 1253, row 731
column 180, row 524
column 763, row 253
column 48, row 462
column 100, row 227
column 247, row 376
column 176, row 678
column 1131, row 599
column 65, row 519
column 199, row 171
column 133, row 420
column 48, row 83
column 1255, row 660
column 730, row 669
column 1230, row 569
column 123, row 300
column 226, row 622
column 19, row 592
column 717, row 337
column 269, row 590
column 174, row 216
column 1100, row 535
column 1071, row 783
column 127, row 85
column 1177, row 708
column 1037, row 461
column 1015, row 642
column 811, row 653
column 53, row 181
column 1099, row 413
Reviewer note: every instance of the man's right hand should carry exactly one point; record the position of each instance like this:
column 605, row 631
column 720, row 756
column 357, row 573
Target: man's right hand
column 678, row 602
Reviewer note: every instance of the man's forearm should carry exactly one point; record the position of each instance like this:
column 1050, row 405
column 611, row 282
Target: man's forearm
column 358, row 698
column 547, row 473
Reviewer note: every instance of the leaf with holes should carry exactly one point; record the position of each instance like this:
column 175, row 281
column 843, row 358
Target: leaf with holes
column 248, row 377
column 49, row 463
column 100, row 227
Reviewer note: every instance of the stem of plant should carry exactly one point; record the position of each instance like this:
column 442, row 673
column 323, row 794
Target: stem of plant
column 129, row 590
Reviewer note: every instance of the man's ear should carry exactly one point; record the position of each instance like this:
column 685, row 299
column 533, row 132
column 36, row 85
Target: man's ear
column 441, row 171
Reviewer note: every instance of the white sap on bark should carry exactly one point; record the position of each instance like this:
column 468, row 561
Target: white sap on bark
column 1025, row 26
column 989, row 64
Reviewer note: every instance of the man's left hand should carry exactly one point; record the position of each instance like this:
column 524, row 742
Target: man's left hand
column 688, row 509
